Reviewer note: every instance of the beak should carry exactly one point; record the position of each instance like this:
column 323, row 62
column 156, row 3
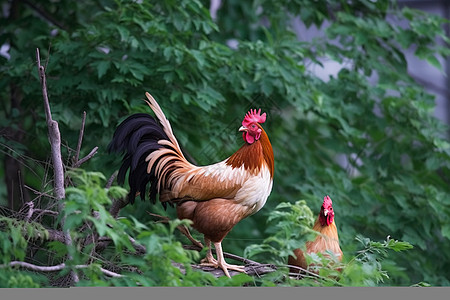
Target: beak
column 243, row 128
column 325, row 212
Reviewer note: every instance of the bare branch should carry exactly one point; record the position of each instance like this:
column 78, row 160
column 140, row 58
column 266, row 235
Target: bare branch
column 117, row 205
column 109, row 273
column 111, row 180
column 34, row 267
column 86, row 158
column 217, row 272
column 139, row 248
column 44, row 14
column 32, row 211
column 30, row 205
column 39, row 193
column 252, row 268
column 55, row 143
column 80, row 139
column 53, row 133
column 59, row 267
column 46, row 212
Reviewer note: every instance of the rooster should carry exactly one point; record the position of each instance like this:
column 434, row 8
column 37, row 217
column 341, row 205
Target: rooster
column 214, row 197
column 326, row 240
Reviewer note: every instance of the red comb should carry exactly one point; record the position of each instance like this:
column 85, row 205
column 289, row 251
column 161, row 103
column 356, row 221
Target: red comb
column 254, row 116
column 327, row 201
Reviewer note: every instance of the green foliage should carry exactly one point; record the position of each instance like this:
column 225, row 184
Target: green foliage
column 365, row 136
column 85, row 208
column 15, row 235
column 87, row 196
column 289, row 227
column 20, row 279
column 366, row 268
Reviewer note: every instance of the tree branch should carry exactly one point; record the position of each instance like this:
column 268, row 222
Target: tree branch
column 40, row 194
column 251, row 270
column 55, row 143
column 117, row 205
column 80, row 139
column 111, row 180
column 59, row 267
column 86, row 158
column 53, row 133
column 45, row 15
column 30, row 212
column 46, row 212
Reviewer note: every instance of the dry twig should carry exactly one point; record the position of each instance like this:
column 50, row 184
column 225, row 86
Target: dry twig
column 86, row 158
column 80, row 138
column 40, row 194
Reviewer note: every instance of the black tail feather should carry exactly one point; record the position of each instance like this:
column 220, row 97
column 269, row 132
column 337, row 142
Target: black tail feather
column 137, row 137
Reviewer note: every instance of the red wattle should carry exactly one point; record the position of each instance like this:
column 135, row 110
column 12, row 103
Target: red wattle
column 248, row 138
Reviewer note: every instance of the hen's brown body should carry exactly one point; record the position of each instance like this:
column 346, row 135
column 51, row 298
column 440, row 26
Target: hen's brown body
column 326, row 240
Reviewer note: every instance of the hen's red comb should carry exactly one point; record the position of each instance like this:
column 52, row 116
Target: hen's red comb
column 254, row 116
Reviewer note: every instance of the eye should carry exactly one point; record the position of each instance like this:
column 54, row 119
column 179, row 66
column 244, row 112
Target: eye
column 253, row 126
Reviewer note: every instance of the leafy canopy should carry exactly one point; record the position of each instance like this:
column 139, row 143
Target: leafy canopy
column 366, row 136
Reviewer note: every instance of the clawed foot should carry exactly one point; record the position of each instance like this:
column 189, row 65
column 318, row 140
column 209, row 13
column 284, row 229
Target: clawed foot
column 210, row 261
column 224, row 266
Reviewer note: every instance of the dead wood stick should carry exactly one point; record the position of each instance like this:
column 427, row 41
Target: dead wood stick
column 80, row 138
column 54, row 135
column 59, row 267
column 55, row 143
column 30, row 212
column 86, row 158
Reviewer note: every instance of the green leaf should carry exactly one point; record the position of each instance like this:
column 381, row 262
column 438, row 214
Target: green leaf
column 102, row 68
column 445, row 230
